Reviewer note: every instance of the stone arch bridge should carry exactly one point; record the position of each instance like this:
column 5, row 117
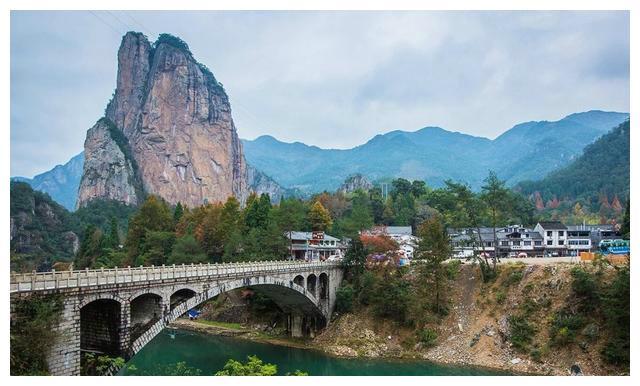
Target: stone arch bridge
column 118, row 311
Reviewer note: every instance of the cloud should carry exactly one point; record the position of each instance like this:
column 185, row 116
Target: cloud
column 333, row 79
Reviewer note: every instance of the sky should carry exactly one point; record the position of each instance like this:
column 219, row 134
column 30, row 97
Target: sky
column 330, row 79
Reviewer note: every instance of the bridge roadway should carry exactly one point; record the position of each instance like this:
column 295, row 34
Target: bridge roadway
column 118, row 311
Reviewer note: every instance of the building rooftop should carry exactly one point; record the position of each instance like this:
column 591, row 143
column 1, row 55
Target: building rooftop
column 297, row 235
column 552, row 225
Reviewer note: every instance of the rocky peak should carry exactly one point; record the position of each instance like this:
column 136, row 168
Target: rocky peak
column 176, row 119
column 355, row 182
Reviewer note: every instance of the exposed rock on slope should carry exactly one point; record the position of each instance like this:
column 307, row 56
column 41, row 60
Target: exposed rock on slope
column 355, row 182
column 177, row 121
column 108, row 172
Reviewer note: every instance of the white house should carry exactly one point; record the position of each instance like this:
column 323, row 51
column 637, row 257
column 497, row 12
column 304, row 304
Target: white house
column 554, row 235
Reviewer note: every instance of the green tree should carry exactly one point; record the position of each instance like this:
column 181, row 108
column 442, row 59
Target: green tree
column 625, row 229
column 177, row 213
column 319, row 217
column 433, row 249
column 252, row 367
column 186, row 250
column 497, row 199
column 153, row 215
column 114, row 237
column 354, row 261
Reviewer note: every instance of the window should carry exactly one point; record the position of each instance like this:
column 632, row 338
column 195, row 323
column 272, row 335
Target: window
column 560, row 233
column 504, row 243
column 549, row 242
column 537, row 242
column 515, row 242
column 548, row 233
column 527, row 242
column 560, row 242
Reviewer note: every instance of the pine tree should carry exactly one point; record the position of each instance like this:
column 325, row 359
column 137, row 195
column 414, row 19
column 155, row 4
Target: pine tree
column 177, row 213
column 434, row 248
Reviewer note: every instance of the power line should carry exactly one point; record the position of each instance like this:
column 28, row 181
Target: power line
column 144, row 29
column 111, row 27
column 126, row 26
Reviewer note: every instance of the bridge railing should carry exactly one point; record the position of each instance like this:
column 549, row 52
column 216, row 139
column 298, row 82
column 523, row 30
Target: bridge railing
column 41, row 281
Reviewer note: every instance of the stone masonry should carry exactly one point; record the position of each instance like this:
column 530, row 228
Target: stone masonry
column 118, row 311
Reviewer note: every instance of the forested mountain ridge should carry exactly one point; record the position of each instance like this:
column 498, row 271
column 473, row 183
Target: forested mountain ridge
column 599, row 178
column 527, row 151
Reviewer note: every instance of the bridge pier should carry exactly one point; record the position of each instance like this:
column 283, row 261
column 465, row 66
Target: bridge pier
column 103, row 308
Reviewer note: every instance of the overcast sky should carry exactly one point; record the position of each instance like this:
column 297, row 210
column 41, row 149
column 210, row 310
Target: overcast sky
column 331, row 79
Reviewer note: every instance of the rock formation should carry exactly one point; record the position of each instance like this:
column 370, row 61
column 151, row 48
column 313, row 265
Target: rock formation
column 355, row 182
column 175, row 119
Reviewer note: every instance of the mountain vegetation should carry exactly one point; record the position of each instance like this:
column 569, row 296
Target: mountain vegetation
column 527, row 151
column 593, row 187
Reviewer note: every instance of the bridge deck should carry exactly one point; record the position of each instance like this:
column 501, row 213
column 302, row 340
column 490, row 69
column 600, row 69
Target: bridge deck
column 47, row 281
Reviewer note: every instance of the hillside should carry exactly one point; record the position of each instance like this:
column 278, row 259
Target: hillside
column 528, row 150
column 602, row 169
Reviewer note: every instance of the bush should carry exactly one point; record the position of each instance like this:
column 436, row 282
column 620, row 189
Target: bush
column 344, row 298
column 453, row 267
column 536, row 354
column 32, row 333
column 427, row 337
column 585, row 288
column 513, row 277
column 501, row 296
column 521, row 331
column 565, row 327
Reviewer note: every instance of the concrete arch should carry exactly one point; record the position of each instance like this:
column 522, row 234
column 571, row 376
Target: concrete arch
column 104, row 296
column 145, row 291
column 312, row 283
column 307, row 302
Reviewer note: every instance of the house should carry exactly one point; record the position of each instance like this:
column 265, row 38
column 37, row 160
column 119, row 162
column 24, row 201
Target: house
column 402, row 235
column 312, row 246
column 554, row 234
column 518, row 241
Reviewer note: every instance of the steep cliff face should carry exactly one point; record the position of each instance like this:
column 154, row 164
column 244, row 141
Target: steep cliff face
column 108, row 173
column 177, row 120
column 261, row 183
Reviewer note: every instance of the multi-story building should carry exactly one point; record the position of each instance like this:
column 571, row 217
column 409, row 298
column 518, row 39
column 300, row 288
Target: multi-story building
column 554, row 234
column 312, row 246
column 516, row 240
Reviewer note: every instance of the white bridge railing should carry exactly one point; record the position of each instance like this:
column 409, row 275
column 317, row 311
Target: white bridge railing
column 46, row 281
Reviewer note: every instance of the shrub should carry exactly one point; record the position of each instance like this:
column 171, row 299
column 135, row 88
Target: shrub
column 536, row 354
column 565, row 327
column 501, row 296
column 344, row 298
column 513, row 277
column 453, row 267
column 427, row 337
column 585, row 288
column 521, row 330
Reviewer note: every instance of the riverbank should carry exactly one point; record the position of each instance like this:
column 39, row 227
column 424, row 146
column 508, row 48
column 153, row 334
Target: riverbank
column 476, row 332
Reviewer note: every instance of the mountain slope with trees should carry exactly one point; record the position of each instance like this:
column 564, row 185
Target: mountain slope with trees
column 598, row 180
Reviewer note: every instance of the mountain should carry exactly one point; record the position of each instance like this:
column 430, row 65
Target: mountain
column 61, row 182
column 526, row 151
column 39, row 227
column 600, row 173
column 167, row 131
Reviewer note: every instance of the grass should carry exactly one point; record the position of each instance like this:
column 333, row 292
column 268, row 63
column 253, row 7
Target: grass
column 231, row 326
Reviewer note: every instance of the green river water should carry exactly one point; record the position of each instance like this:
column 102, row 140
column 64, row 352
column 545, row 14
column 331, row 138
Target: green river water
column 209, row 353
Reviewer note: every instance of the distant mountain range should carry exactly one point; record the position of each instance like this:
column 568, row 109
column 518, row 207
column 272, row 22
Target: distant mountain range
column 61, row 182
column 528, row 151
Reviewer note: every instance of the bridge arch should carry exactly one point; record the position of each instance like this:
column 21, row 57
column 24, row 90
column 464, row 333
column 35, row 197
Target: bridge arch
column 312, row 281
column 299, row 280
column 279, row 290
column 180, row 296
column 323, row 286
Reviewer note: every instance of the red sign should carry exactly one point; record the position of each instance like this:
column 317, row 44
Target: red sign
column 316, row 236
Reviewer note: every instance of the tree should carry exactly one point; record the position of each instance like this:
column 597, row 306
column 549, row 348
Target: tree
column 186, row 250
column 177, row 213
column 114, row 238
column 154, row 215
column 497, row 198
column 253, row 367
column 319, row 217
column 434, row 248
column 355, row 260
column 625, row 229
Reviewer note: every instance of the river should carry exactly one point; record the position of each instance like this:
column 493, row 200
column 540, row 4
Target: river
column 209, row 353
